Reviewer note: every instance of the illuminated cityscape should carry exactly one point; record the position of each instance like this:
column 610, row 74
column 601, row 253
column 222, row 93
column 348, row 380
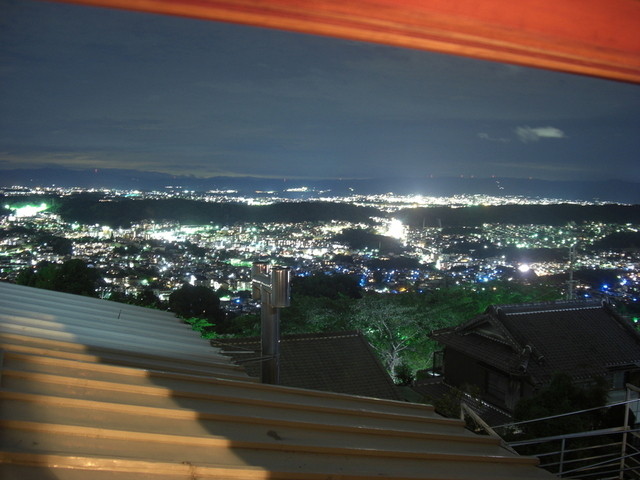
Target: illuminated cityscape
column 163, row 255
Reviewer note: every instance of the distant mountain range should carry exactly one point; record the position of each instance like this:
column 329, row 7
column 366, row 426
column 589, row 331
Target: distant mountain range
column 605, row 190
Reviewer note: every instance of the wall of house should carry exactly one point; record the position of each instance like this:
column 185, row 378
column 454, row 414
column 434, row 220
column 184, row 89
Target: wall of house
column 495, row 387
column 461, row 370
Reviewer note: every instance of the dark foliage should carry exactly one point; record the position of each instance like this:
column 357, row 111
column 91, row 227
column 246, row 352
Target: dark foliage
column 73, row 276
column 520, row 215
column 58, row 245
column 394, row 263
column 511, row 253
column 326, row 309
column 54, row 243
column 404, row 374
column 88, row 208
column 480, row 250
column 449, row 405
column 127, row 250
column 327, row 286
column 195, row 302
column 562, row 396
column 147, row 298
column 343, row 259
column 124, row 212
column 360, row 239
column 597, row 278
column 619, row 241
column 195, row 250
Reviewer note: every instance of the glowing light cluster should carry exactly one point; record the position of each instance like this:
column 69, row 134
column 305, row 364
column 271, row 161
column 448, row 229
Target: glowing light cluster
column 28, row 210
column 396, row 229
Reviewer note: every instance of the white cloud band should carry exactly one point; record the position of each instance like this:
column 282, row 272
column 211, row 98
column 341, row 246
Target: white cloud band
column 530, row 134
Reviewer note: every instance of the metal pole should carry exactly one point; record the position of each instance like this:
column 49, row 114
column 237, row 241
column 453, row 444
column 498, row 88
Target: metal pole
column 624, row 435
column 271, row 287
column 571, row 284
column 270, row 341
column 562, row 445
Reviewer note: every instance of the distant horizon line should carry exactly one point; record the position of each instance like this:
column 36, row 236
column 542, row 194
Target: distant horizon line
column 303, row 178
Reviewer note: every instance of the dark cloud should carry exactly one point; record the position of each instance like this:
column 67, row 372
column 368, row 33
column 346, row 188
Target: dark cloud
column 113, row 88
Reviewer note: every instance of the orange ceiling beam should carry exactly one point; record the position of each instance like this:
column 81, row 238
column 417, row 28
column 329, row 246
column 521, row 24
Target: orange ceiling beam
column 590, row 37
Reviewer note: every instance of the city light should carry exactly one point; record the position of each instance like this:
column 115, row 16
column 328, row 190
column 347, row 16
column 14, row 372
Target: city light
column 396, row 229
column 162, row 254
column 524, row 268
column 28, row 210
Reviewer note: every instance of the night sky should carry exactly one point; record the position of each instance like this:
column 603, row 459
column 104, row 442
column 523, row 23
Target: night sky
column 94, row 88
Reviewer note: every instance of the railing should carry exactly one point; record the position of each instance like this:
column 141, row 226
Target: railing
column 597, row 454
column 606, row 454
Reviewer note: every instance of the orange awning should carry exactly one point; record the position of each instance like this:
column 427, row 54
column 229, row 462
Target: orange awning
column 590, row 37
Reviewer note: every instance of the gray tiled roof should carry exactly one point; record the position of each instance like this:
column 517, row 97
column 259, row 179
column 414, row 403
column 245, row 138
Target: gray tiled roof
column 582, row 339
column 341, row 362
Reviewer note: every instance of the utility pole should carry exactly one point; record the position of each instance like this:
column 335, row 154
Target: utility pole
column 571, row 283
column 270, row 285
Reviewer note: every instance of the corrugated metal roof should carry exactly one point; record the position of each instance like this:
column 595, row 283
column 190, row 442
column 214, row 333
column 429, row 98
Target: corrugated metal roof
column 94, row 389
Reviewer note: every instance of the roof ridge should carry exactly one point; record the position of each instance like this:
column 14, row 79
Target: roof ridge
column 290, row 337
column 527, row 312
column 315, row 337
column 553, row 305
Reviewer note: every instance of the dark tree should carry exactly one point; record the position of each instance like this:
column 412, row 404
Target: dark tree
column 328, row 286
column 58, row 245
column 195, row 250
column 73, row 276
column 147, row 298
column 562, row 396
column 200, row 302
column 619, row 241
column 358, row 238
column 394, row 263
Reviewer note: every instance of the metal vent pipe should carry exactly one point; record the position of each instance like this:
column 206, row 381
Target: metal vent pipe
column 270, row 285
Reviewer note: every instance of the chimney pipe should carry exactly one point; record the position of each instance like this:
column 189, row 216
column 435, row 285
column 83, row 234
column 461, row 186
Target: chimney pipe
column 271, row 287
